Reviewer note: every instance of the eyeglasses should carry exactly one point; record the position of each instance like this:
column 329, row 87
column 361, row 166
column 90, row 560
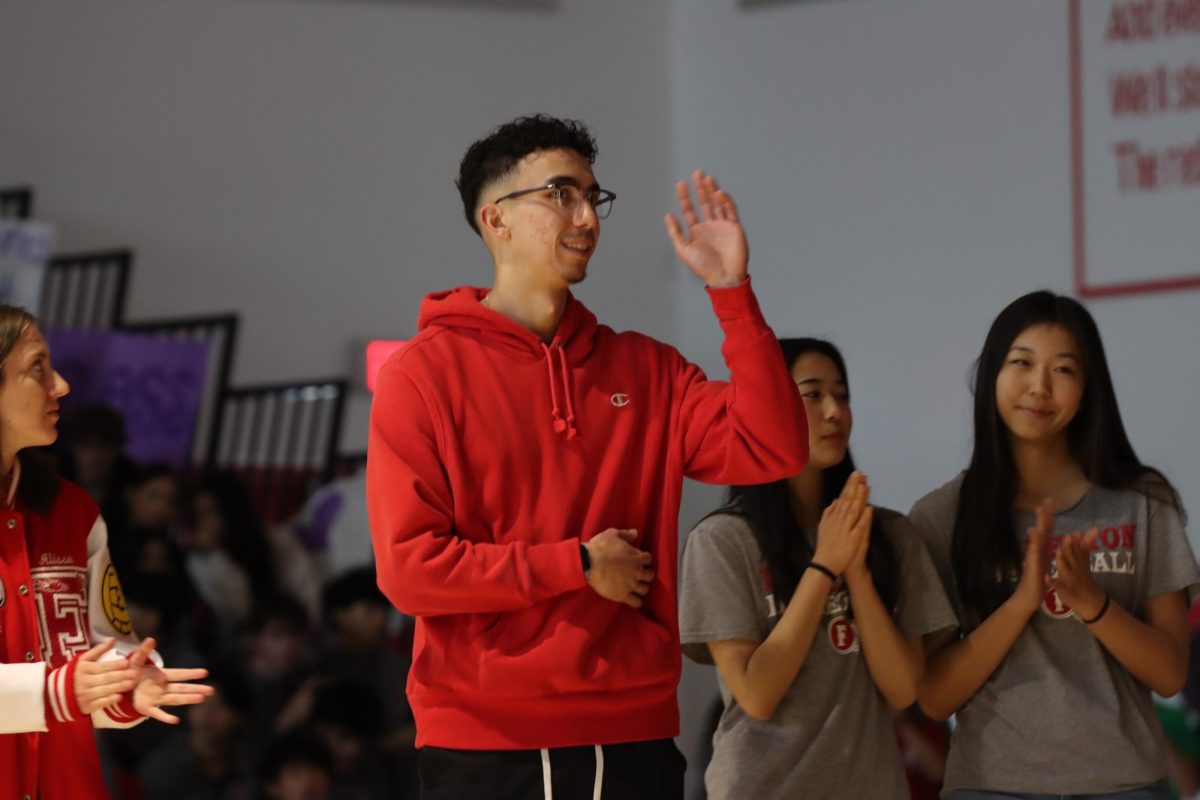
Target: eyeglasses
column 568, row 196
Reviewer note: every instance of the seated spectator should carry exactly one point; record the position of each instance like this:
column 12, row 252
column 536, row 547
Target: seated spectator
column 279, row 662
column 358, row 614
column 149, row 509
column 296, row 766
column 347, row 718
column 93, row 443
column 208, row 759
column 226, row 550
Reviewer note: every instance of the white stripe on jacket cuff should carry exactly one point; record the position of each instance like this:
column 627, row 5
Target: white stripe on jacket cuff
column 23, row 687
column 56, row 691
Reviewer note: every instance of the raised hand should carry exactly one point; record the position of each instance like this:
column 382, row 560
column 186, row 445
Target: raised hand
column 713, row 245
column 161, row 687
column 1035, row 569
column 845, row 527
column 620, row 572
column 1074, row 583
column 101, row 684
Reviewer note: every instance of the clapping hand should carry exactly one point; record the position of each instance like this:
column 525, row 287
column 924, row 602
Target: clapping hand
column 1035, row 570
column 1074, row 582
column 844, row 530
column 162, row 687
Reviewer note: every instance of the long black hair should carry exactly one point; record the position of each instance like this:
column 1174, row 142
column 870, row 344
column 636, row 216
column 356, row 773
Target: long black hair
column 769, row 511
column 985, row 545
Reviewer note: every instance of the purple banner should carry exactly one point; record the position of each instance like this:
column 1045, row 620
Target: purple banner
column 157, row 385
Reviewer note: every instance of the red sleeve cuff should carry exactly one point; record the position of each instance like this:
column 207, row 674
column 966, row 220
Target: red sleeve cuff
column 124, row 711
column 61, row 703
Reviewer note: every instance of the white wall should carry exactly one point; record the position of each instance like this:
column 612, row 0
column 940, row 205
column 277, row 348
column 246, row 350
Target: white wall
column 294, row 159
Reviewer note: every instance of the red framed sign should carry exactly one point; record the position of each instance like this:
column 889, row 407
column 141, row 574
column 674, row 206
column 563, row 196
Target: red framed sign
column 1135, row 145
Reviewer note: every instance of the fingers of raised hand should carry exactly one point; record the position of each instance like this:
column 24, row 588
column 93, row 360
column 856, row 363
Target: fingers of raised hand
column 184, row 674
column 685, row 204
column 675, row 233
column 718, row 203
column 705, row 188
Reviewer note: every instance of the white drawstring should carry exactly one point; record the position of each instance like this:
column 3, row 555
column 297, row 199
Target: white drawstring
column 599, row 773
column 547, row 787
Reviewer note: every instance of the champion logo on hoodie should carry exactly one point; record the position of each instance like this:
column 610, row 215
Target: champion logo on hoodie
column 619, row 400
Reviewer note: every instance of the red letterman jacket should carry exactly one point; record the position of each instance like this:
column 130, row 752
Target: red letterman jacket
column 59, row 595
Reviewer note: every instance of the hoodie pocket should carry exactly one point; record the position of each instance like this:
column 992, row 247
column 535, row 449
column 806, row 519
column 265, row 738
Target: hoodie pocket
column 576, row 646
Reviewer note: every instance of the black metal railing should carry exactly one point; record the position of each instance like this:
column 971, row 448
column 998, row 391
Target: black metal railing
column 86, row 290
column 221, row 331
column 281, row 438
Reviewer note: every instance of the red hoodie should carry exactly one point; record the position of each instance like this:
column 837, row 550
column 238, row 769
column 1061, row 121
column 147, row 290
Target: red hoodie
column 492, row 455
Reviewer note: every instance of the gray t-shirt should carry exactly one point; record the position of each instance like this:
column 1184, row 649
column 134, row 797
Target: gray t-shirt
column 1060, row 715
column 832, row 735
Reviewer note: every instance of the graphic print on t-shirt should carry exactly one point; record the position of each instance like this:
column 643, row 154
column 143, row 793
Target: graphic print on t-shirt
column 840, row 630
column 774, row 607
column 1112, row 553
column 843, row 636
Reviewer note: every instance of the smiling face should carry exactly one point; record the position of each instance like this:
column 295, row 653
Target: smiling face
column 827, row 404
column 29, row 394
column 533, row 233
column 1040, row 386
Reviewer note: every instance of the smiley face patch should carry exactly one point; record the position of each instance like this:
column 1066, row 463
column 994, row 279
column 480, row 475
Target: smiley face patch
column 112, row 599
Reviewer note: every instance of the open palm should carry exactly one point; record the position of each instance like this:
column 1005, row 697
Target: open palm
column 164, row 687
column 713, row 243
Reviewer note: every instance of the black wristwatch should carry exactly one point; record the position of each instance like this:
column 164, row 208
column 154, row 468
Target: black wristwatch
column 584, row 558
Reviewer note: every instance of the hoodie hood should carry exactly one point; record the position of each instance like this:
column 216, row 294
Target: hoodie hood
column 462, row 311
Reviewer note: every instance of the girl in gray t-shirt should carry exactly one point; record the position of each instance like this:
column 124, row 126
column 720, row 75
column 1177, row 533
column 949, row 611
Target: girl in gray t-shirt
column 1067, row 564
column 813, row 606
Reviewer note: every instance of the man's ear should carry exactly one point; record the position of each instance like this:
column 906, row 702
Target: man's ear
column 492, row 222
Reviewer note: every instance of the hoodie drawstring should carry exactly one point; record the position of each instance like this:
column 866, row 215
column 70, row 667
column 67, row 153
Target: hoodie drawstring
column 572, row 431
column 560, row 424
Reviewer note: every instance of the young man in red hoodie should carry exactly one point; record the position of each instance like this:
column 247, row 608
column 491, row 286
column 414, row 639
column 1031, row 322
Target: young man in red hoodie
column 524, row 473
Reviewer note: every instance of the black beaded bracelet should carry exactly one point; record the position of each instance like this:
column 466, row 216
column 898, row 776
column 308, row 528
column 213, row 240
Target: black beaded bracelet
column 1101, row 613
column 585, row 558
column 824, row 570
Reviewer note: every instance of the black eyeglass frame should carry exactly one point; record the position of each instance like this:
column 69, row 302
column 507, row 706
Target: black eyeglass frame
column 602, row 204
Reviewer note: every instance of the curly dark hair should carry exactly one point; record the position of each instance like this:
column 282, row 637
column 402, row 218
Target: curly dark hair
column 495, row 155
